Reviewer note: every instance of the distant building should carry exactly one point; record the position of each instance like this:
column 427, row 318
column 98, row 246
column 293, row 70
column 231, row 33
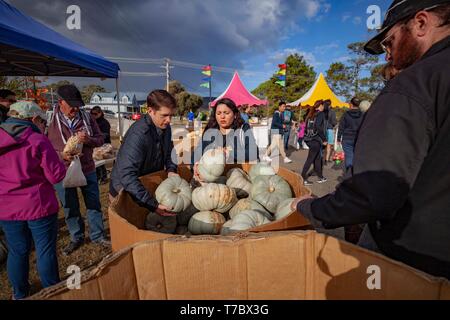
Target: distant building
column 129, row 101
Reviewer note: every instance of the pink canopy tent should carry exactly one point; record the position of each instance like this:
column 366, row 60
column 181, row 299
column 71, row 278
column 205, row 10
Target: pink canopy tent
column 237, row 92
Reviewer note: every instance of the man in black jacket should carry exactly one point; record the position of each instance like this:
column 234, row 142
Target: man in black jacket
column 348, row 128
column 147, row 148
column 400, row 180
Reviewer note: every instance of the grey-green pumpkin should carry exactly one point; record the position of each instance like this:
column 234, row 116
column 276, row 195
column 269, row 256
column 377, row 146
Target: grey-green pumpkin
column 174, row 193
column 261, row 169
column 239, row 180
column 244, row 221
column 155, row 222
column 184, row 217
column 284, row 209
column 269, row 191
column 206, row 222
column 214, row 197
column 247, row 204
column 212, row 165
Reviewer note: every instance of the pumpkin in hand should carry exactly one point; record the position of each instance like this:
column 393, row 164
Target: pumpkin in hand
column 214, row 197
column 174, row 193
column 240, row 182
column 212, row 165
column 269, row 191
column 206, row 222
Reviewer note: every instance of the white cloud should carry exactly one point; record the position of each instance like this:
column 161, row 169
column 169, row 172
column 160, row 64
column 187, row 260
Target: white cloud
column 326, row 47
column 357, row 20
column 280, row 56
column 345, row 17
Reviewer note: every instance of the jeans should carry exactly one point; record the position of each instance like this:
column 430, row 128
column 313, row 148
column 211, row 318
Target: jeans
column 348, row 150
column 71, row 205
column 19, row 235
column 286, row 135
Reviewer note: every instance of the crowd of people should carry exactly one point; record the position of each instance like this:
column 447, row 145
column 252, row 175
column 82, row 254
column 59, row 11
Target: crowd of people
column 396, row 182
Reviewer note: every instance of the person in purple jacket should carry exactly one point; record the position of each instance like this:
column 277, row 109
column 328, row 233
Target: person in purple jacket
column 28, row 206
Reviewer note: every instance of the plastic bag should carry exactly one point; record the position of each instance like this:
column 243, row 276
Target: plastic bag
column 74, row 176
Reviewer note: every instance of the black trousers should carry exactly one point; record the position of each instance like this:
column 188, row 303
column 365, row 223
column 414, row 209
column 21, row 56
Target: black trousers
column 314, row 157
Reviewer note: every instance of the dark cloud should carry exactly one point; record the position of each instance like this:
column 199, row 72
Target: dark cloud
column 215, row 31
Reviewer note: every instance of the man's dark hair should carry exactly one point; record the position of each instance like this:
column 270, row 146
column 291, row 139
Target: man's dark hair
column 443, row 12
column 281, row 103
column 355, row 102
column 161, row 98
column 5, row 93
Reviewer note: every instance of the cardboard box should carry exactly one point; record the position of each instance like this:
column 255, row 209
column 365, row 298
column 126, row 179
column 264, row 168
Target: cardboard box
column 295, row 265
column 126, row 218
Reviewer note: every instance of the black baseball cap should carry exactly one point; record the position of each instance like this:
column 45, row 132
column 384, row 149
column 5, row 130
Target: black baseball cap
column 71, row 95
column 399, row 10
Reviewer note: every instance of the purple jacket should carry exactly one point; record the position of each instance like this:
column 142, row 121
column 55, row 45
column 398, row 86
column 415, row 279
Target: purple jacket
column 30, row 168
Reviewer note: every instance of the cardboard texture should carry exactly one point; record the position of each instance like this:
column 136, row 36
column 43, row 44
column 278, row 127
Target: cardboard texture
column 293, row 265
column 126, row 218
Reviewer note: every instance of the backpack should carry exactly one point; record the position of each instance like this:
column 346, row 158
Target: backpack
column 310, row 129
column 287, row 116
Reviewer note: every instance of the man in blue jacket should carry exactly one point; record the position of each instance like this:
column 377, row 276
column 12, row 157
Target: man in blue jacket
column 277, row 132
column 147, row 148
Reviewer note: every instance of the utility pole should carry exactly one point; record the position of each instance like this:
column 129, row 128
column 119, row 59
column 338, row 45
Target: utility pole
column 167, row 67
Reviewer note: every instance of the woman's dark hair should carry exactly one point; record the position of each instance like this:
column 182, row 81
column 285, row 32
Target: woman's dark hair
column 326, row 108
column 238, row 121
column 161, row 98
column 97, row 109
column 312, row 113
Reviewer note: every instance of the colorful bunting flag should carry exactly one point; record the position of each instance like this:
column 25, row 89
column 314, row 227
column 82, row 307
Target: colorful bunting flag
column 207, row 71
column 281, row 75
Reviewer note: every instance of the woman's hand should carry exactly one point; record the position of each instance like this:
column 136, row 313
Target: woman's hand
column 165, row 211
column 196, row 174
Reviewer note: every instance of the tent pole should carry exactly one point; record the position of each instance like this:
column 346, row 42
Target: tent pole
column 118, row 109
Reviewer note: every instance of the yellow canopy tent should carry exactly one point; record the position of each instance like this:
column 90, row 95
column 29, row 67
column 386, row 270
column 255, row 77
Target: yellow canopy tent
column 319, row 91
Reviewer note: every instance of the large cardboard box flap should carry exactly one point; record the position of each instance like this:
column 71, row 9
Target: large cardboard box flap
column 294, row 265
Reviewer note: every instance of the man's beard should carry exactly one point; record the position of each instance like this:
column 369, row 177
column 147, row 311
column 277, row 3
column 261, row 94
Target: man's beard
column 408, row 53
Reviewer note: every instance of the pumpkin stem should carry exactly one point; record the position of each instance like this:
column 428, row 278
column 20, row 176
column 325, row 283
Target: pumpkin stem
column 271, row 189
column 176, row 190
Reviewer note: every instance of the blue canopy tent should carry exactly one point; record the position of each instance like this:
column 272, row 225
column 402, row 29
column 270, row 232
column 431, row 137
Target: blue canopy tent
column 29, row 48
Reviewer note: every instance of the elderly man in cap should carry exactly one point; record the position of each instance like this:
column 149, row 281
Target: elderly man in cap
column 68, row 120
column 28, row 206
column 400, row 181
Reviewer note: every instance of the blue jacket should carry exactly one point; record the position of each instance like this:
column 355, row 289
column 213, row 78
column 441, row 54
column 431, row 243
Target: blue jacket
column 277, row 122
column 143, row 152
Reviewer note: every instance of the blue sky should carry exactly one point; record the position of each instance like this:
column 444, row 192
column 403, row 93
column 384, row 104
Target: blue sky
column 252, row 36
column 321, row 38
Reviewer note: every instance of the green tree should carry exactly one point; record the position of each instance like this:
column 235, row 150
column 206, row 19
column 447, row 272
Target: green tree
column 338, row 77
column 299, row 79
column 89, row 90
column 175, row 87
column 351, row 79
column 187, row 101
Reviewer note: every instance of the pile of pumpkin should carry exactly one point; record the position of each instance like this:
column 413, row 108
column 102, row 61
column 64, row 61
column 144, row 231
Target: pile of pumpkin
column 245, row 200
